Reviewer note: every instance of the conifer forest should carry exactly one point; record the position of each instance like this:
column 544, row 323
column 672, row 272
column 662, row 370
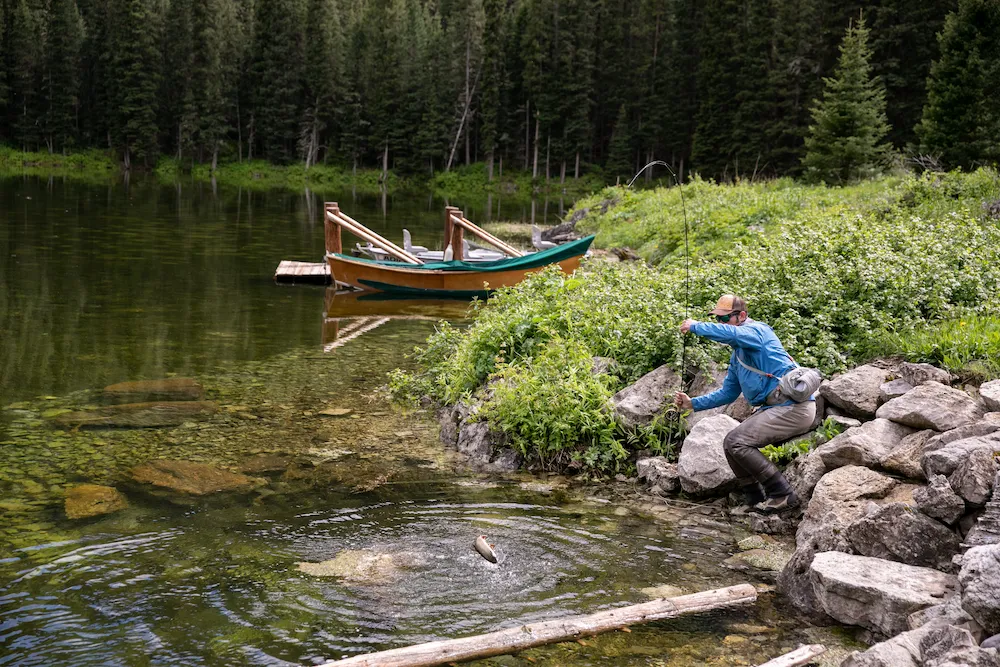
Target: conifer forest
column 725, row 88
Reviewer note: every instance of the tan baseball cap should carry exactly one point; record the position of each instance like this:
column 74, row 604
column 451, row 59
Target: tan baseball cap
column 729, row 303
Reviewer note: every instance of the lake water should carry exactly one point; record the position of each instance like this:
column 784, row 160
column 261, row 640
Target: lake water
column 107, row 284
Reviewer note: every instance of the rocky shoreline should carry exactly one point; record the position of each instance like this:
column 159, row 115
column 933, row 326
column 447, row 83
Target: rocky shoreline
column 900, row 533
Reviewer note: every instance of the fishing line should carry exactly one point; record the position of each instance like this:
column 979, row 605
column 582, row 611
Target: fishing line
column 687, row 253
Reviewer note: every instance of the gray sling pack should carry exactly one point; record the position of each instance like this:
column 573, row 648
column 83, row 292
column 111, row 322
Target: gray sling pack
column 798, row 384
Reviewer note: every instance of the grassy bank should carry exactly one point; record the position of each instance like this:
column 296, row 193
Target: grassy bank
column 92, row 165
column 470, row 182
column 907, row 266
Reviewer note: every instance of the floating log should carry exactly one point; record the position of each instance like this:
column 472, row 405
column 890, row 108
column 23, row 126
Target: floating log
column 803, row 655
column 530, row 635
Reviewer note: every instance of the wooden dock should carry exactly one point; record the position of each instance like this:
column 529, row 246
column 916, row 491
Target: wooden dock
column 315, row 273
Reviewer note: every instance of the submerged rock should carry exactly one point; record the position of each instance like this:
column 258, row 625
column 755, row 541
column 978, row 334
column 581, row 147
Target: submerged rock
column 89, row 500
column 188, row 478
column 363, row 566
column 137, row 415
column 169, row 389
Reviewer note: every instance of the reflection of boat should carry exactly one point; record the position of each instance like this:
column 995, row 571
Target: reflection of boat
column 350, row 314
column 456, row 278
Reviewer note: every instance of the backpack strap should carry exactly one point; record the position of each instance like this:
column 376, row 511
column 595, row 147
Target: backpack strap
column 752, row 369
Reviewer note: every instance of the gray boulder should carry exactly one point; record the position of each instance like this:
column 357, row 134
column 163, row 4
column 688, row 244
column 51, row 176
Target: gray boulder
column 939, row 501
column 487, row 448
column 893, row 389
column 990, row 393
column 917, row 374
column 973, row 478
column 856, row 392
column 876, row 594
column 865, row 445
column 659, row 473
column 947, row 459
column 840, row 498
column 980, row 579
column 986, row 529
column 932, row 405
column 803, row 473
column 936, row 644
column 990, row 423
column 638, row 403
column 907, row 457
column 702, row 462
column 739, row 409
column 949, row 612
column 898, row 533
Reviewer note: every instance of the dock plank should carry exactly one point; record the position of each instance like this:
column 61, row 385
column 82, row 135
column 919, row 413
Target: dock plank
column 290, row 271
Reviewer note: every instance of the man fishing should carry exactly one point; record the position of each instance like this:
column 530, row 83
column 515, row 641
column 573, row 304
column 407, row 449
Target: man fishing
column 757, row 362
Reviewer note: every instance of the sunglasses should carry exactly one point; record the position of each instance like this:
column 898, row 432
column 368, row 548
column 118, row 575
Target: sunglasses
column 724, row 319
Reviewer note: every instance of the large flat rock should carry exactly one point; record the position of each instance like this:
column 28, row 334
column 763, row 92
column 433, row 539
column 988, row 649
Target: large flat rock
column 932, row 405
column 189, row 478
column 873, row 593
column 89, row 500
column 856, row 392
column 137, row 415
column 168, row 389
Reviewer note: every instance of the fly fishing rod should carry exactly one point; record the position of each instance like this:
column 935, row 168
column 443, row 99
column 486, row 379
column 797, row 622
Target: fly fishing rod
column 687, row 251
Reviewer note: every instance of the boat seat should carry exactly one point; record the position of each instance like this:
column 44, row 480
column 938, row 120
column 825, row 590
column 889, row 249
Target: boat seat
column 408, row 244
column 536, row 239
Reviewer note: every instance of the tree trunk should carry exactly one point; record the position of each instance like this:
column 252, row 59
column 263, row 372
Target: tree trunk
column 804, row 655
column 534, row 168
column 489, row 168
column 385, row 162
column 527, row 133
column 576, row 170
column 562, row 173
column 528, row 635
column 548, row 152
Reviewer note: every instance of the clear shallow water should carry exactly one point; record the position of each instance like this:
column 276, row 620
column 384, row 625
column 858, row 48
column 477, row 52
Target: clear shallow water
column 107, row 284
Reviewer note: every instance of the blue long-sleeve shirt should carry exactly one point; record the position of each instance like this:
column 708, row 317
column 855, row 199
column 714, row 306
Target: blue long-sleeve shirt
column 759, row 347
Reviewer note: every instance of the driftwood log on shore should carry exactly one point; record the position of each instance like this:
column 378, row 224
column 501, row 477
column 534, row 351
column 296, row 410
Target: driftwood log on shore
column 803, row 655
column 527, row 636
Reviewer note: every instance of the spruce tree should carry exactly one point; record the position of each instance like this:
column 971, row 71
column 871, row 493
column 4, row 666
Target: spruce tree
column 619, row 165
column 134, row 76
column 961, row 124
column 25, row 67
column 176, row 96
column 64, row 36
column 324, row 73
column 849, row 124
column 493, row 78
column 277, row 78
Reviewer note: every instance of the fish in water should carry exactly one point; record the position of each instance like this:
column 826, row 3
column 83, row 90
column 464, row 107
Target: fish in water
column 485, row 549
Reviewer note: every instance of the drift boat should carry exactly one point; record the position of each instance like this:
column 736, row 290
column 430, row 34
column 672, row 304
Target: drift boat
column 411, row 276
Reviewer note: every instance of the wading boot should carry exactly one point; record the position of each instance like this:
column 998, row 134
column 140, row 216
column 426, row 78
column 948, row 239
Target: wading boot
column 753, row 493
column 780, row 497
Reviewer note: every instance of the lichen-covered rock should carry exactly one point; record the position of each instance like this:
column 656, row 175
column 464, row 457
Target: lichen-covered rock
column 702, row 464
column 803, row 473
column 907, row 456
column 980, row 579
column 137, row 415
column 874, row 593
column 89, row 500
column 168, row 389
column 659, row 473
column 986, row 529
column 932, row 405
column 939, row 501
column 917, row 374
column 856, row 391
column 947, row 459
column 898, row 533
column 840, row 498
column 990, row 393
column 189, row 478
column 638, row 403
column 973, row 478
column 893, row 389
column 865, row 445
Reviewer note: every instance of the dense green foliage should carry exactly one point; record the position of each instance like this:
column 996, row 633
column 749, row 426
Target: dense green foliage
column 556, row 88
column 840, row 273
column 845, row 141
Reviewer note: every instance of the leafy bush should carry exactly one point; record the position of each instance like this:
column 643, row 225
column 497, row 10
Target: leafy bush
column 786, row 452
column 840, row 273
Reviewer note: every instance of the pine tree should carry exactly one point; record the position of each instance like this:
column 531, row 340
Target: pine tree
column 277, row 78
column 175, row 88
column 619, row 166
column 206, row 112
column 961, row 124
column 493, row 78
column 849, row 124
column 25, row 67
column 64, row 36
column 324, row 73
column 135, row 75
